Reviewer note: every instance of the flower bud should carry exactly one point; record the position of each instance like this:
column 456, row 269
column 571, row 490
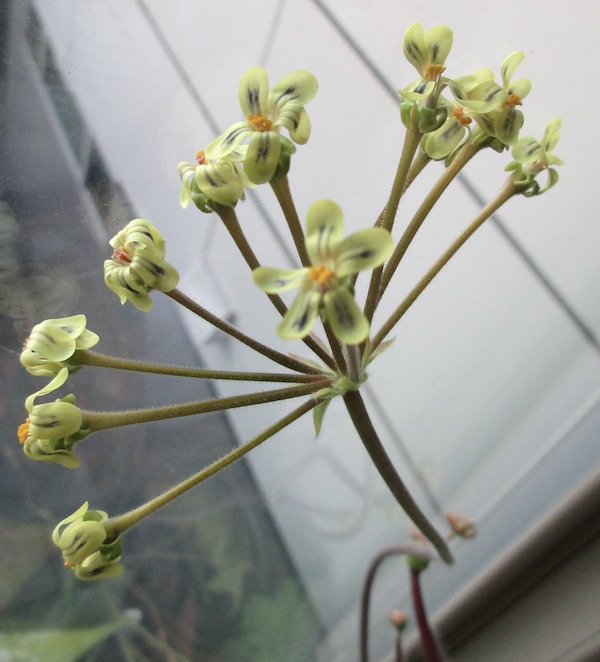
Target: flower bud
column 138, row 266
column 53, row 342
column 461, row 526
column 80, row 535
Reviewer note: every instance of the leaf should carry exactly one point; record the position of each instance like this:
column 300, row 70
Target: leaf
column 53, row 645
column 319, row 414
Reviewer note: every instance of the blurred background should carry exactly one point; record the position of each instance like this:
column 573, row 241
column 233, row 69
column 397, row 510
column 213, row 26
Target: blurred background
column 488, row 401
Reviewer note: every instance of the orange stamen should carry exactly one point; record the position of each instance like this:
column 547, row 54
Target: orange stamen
column 320, row 274
column 513, row 100
column 23, row 431
column 433, row 71
column 121, row 256
column 201, row 157
column 259, row 122
column 463, row 119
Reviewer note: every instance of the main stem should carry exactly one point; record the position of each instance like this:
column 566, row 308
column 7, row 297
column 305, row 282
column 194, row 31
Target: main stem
column 118, row 525
column 507, row 191
column 362, row 422
column 104, row 420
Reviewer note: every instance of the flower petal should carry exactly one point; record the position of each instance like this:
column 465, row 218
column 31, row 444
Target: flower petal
column 324, row 229
column 439, row 42
column 298, row 88
column 414, row 46
column 54, row 420
column 57, row 382
column 272, row 280
column 508, row 125
column 442, row 142
column 229, row 140
column 262, row 156
column 511, row 62
column 254, row 92
column 362, row 250
column 221, row 181
column 300, row 317
column 347, row 320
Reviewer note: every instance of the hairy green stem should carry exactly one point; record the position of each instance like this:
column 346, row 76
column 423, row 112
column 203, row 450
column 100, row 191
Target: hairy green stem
column 87, row 357
column 388, row 215
column 118, row 525
column 101, row 420
column 230, row 220
column 464, row 155
column 281, row 188
column 265, row 350
column 362, row 422
column 507, row 191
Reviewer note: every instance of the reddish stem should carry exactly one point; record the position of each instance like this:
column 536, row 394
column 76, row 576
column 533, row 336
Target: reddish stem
column 430, row 645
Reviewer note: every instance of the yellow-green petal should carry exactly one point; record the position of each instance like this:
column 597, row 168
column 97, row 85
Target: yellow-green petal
column 345, row 317
column 298, row 87
column 300, row 317
column 362, row 250
column 254, row 91
column 443, row 141
column 229, row 140
column 511, row 62
column 262, row 156
column 324, row 229
column 273, row 280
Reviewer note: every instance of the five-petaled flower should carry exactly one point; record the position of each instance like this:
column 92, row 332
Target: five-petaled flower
column 222, row 180
column 53, row 342
column 532, row 157
column 427, row 52
column 81, row 537
column 325, row 284
column 505, row 122
column 138, row 266
column 267, row 112
column 52, row 428
column 475, row 95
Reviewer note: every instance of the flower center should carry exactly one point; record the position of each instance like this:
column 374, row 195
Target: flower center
column 513, row 100
column 433, row 71
column 259, row 122
column 201, row 157
column 120, row 255
column 23, row 431
column 321, row 274
column 460, row 115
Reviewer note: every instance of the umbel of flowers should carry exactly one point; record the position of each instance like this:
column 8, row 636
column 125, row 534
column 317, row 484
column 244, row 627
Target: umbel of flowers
column 446, row 118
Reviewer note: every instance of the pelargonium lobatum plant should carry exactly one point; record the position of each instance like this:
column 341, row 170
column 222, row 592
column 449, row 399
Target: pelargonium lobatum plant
column 447, row 119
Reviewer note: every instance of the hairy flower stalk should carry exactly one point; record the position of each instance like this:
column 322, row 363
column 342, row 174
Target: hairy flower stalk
column 104, row 361
column 104, row 420
column 118, row 525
